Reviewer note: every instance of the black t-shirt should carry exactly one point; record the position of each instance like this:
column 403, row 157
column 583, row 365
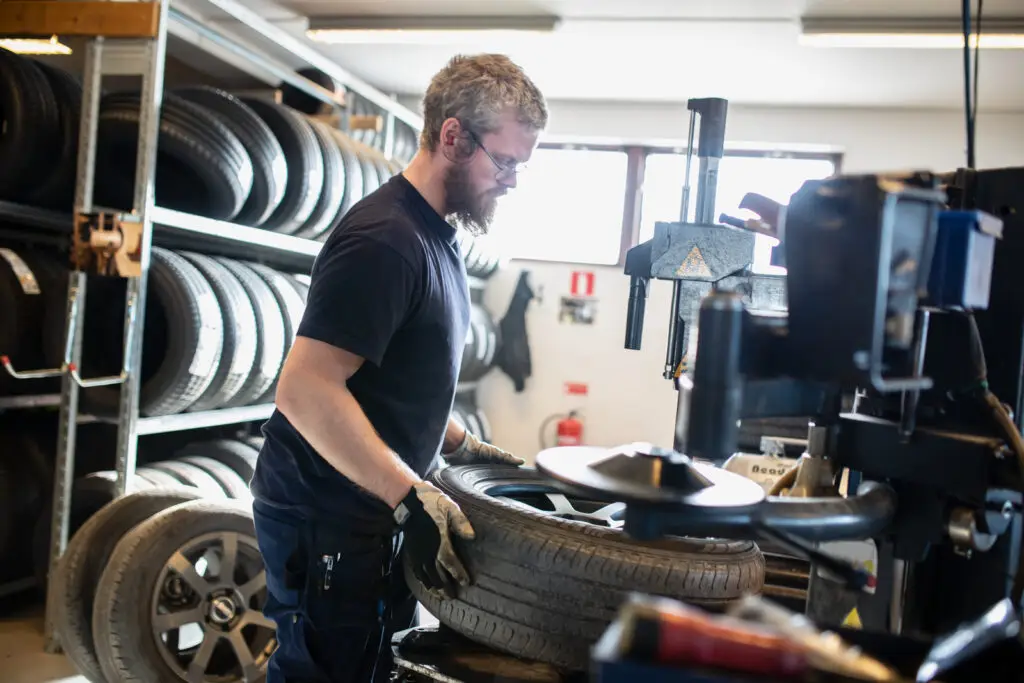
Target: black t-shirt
column 389, row 286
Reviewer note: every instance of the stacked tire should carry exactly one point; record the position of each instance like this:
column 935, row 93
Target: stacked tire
column 479, row 255
column 163, row 585
column 472, row 418
column 247, row 160
column 481, row 345
column 216, row 334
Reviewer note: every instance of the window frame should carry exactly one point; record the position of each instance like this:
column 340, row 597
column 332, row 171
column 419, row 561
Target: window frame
column 636, row 164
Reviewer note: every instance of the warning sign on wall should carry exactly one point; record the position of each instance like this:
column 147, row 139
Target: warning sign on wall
column 582, row 283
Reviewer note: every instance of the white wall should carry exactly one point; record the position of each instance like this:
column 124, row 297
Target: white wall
column 628, row 400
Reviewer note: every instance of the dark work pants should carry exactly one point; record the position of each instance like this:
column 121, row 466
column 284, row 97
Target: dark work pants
column 336, row 593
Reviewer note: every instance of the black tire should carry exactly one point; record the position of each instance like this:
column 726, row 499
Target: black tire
column 300, row 100
column 124, row 607
column 327, row 213
column 184, row 336
column 270, row 342
column 371, row 181
column 270, row 168
column 301, row 287
column 26, row 477
column 31, row 126
column 545, row 588
column 353, row 172
column 193, row 476
column 82, row 563
column 201, row 167
column 238, row 354
column 305, row 165
column 57, row 188
column 233, row 485
column 479, row 351
column 291, row 306
column 239, row 456
column 89, row 494
column 159, row 479
column 33, row 295
column 485, row 425
column 255, row 441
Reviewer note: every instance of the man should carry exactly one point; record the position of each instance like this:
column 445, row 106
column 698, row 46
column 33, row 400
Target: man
column 365, row 395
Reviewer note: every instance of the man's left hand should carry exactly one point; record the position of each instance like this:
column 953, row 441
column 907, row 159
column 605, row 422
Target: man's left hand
column 473, row 451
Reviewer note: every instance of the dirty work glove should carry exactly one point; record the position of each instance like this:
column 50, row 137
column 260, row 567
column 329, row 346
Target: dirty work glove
column 473, row 451
column 428, row 518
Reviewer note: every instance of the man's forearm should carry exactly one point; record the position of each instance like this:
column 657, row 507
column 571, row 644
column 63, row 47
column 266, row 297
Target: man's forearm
column 453, row 436
column 331, row 420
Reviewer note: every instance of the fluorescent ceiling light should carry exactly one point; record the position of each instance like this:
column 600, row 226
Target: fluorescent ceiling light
column 35, row 46
column 431, row 30
column 997, row 34
column 933, row 41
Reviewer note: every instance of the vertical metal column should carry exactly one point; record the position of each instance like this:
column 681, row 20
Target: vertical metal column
column 389, row 132
column 107, row 57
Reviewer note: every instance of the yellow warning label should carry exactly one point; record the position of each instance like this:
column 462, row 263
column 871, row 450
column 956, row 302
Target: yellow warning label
column 852, row 619
column 694, row 265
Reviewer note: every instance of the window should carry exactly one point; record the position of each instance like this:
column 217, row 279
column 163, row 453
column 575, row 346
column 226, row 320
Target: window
column 774, row 177
column 567, row 206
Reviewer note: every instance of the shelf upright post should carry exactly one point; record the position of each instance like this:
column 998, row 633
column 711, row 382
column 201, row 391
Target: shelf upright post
column 107, row 57
column 390, row 125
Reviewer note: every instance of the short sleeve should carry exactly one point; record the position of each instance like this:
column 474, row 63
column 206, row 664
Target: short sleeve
column 361, row 292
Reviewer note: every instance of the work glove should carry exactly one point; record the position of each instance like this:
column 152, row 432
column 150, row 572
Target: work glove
column 429, row 518
column 473, row 451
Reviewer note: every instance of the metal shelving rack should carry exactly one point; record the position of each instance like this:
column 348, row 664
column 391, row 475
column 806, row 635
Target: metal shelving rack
column 143, row 54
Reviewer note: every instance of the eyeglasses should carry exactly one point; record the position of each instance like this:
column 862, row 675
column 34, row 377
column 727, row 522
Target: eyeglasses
column 508, row 169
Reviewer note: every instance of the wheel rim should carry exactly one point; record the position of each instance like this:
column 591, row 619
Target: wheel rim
column 545, row 499
column 206, row 610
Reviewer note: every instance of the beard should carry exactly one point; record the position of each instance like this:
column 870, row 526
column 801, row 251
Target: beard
column 467, row 208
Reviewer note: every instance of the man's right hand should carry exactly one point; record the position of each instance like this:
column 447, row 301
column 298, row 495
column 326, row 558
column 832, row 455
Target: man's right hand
column 428, row 518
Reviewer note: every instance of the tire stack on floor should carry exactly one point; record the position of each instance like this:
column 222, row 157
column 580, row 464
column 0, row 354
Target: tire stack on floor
column 247, row 160
column 161, row 585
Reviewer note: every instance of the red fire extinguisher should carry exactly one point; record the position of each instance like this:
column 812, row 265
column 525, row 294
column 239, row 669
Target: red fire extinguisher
column 569, row 431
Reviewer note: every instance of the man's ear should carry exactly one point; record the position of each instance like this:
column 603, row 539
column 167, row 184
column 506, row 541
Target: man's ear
column 456, row 142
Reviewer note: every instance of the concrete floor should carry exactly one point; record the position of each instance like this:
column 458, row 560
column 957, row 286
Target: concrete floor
column 22, row 658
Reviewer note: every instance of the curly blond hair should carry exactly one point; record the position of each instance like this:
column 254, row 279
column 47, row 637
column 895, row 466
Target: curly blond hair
column 476, row 89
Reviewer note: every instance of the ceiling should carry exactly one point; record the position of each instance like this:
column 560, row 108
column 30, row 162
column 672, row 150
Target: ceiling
column 669, row 50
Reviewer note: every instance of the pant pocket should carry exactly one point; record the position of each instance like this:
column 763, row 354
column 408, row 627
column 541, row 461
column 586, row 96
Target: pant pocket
column 345, row 599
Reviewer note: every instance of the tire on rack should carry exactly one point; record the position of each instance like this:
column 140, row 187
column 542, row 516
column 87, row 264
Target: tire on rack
column 26, row 477
column 190, row 475
column 182, row 342
column 238, row 354
column 353, row 172
column 130, row 607
column 227, row 478
column 238, row 455
column 31, row 126
column 33, row 299
column 79, row 570
column 371, row 181
column 545, row 588
column 291, row 306
column 305, row 164
column 57, row 188
column 201, row 167
column 159, row 478
column 271, row 337
column 327, row 212
column 270, row 168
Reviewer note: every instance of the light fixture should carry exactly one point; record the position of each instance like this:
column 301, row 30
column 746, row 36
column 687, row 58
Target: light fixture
column 35, row 46
column 430, row 30
column 902, row 33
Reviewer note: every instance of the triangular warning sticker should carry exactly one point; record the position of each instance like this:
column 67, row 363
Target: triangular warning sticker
column 852, row 620
column 693, row 265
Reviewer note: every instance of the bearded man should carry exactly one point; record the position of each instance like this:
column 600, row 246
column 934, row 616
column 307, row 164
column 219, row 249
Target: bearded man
column 364, row 398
